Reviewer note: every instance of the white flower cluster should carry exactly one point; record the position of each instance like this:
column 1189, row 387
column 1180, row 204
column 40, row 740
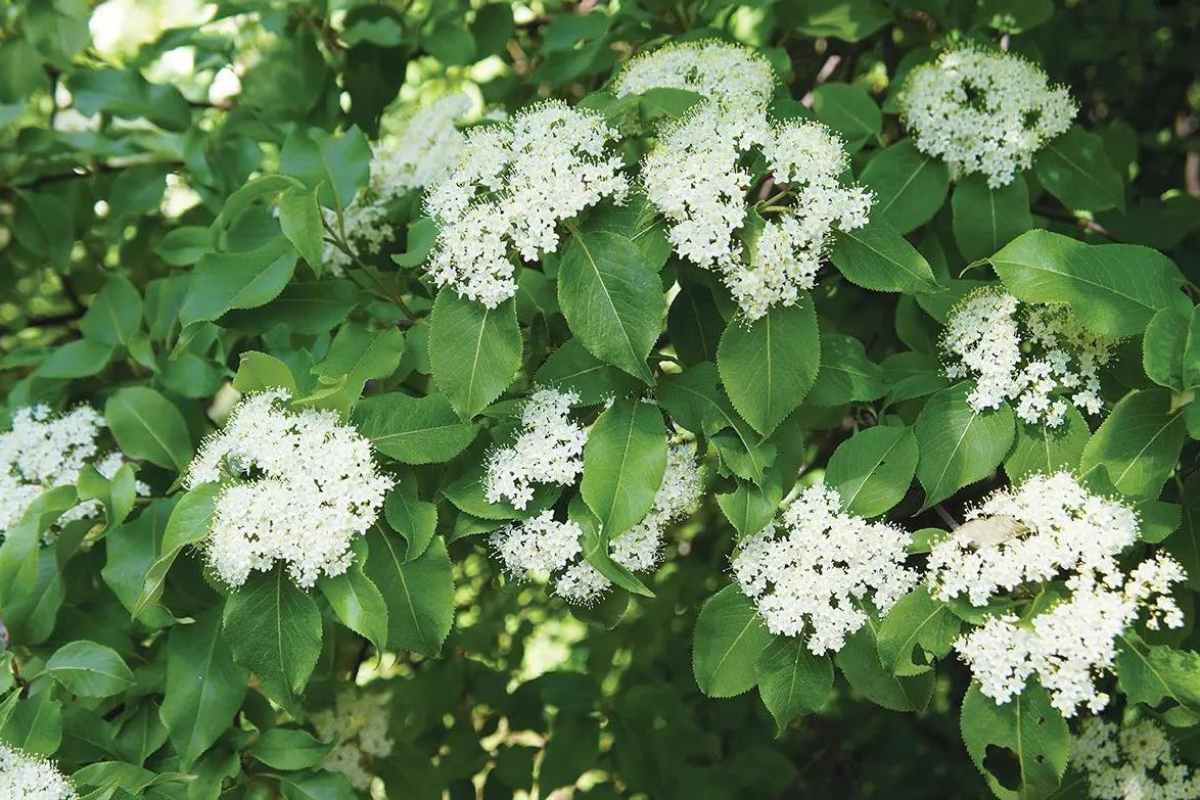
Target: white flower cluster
column 43, row 451
column 1039, row 356
column 812, row 577
column 422, row 154
column 357, row 726
column 1133, row 763
column 736, row 77
column 28, row 777
column 639, row 549
column 698, row 177
column 301, row 486
column 1060, row 531
column 546, row 548
column 984, row 111
column 514, row 182
column 548, row 449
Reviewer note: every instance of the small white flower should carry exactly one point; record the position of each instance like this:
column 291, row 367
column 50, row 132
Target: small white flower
column 28, row 777
column 357, row 726
column 1038, row 356
column 1133, row 763
column 1064, row 533
column 44, row 450
column 545, row 548
column 810, row 573
column 735, row 76
column 301, row 486
column 422, row 154
column 548, row 449
column 698, row 177
column 984, row 111
column 513, row 184
column 639, row 549
column 536, row 547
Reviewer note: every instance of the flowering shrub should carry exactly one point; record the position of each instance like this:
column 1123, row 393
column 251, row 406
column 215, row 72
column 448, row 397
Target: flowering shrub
column 596, row 400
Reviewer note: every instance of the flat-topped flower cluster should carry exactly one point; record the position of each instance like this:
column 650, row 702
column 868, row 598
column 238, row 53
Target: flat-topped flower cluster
column 699, row 175
column 297, row 487
column 44, row 450
column 547, row 450
column 357, row 727
column 1038, row 356
column 423, row 154
column 1058, row 532
column 28, row 777
column 547, row 548
column 814, row 572
column 984, row 111
column 1137, row 762
column 514, row 182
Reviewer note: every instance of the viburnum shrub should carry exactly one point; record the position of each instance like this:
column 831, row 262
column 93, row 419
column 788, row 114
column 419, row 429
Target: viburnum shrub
column 646, row 399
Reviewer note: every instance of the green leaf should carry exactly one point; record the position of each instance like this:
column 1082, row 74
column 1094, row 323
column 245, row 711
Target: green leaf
column 356, row 356
column 1032, row 730
column 419, row 594
column 115, row 316
column 859, row 661
column 1138, row 443
column 188, row 524
column 78, row 359
column 695, row 400
column 307, row 307
column 318, row 786
column 595, row 550
column 300, row 219
column 572, row 368
column 916, row 621
column 126, row 94
column 288, row 749
column 986, row 219
column 768, row 365
column 411, row 517
column 728, row 640
column 34, row 724
column 147, row 426
column 612, row 299
column 791, row 680
column 89, row 669
column 414, row 430
column 131, row 549
column 876, row 257
column 849, row 110
column 1042, row 449
column 849, row 20
column 259, row 371
column 694, row 325
column 184, row 246
column 1076, row 169
column 909, row 186
column 274, row 630
column 356, row 600
column 1150, row 674
column 225, row 281
column 749, row 507
column 204, row 687
column 1171, row 349
column 873, row 469
column 475, row 350
column 623, row 464
column 958, row 444
column 336, row 166
column 1114, row 289
column 846, row 375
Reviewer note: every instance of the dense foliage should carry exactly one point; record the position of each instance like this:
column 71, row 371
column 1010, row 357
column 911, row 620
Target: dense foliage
column 702, row 399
